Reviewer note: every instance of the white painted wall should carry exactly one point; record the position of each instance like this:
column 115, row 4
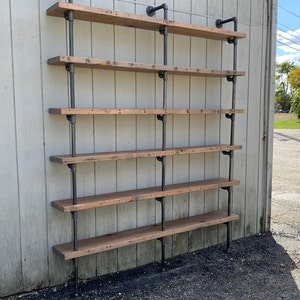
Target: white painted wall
column 29, row 226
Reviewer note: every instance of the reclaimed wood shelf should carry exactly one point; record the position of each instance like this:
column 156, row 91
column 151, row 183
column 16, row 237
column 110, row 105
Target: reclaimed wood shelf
column 105, row 156
column 145, row 111
column 117, row 198
column 96, row 63
column 100, row 15
column 147, row 233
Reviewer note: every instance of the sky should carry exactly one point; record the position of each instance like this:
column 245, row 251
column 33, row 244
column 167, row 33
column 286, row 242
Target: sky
column 288, row 31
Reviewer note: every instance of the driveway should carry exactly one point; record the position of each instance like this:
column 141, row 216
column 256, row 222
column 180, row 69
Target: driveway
column 286, row 194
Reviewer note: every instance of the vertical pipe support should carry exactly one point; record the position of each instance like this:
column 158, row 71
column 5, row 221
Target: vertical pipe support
column 69, row 16
column 232, row 40
column 164, row 75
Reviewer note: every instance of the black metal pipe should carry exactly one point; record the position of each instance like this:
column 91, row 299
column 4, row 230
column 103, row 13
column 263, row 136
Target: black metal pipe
column 73, row 167
column 163, row 258
column 232, row 125
column 164, row 75
column 229, row 213
column 150, row 10
column 219, row 23
column 232, row 131
column 75, row 267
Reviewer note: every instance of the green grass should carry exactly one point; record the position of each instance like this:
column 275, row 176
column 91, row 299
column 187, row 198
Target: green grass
column 286, row 121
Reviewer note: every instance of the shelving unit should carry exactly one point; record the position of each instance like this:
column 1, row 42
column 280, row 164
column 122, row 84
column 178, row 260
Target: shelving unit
column 94, row 245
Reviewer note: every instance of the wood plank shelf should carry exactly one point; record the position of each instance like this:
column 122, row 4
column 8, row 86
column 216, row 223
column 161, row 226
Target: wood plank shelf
column 117, row 198
column 105, row 156
column 145, row 111
column 96, row 63
column 106, row 16
column 147, row 233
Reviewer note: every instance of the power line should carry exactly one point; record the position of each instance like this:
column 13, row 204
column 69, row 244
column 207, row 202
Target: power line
column 296, row 39
column 288, row 39
column 289, row 11
column 289, row 28
column 295, row 35
column 291, row 31
column 288, row 46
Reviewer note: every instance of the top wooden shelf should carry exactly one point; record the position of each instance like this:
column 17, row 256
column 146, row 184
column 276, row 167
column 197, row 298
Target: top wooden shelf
column 87, row 13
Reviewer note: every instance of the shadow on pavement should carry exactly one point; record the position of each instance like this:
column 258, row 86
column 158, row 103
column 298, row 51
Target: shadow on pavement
column 255, row 268
column 288, row 137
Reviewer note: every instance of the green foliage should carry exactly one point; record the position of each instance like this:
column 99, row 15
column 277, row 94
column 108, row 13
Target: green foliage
column 295, row 104
column 285, row 67
column 283, row 93
column 287, row 94
column 294, row 78
column 294, row 81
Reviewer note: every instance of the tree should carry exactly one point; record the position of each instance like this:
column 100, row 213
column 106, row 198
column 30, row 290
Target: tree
column 294, row 81
column 283, row 93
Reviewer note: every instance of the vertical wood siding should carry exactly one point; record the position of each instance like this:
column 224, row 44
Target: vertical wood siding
column 29, row 135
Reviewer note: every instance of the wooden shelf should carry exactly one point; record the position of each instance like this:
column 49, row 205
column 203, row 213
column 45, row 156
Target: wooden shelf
column 134, row 236
column 87, row 13
column 138, row 67
column 104, row 156
column 145, row 111
column 141, row 194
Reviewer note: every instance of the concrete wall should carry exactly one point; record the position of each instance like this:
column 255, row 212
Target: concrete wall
column 29, row 226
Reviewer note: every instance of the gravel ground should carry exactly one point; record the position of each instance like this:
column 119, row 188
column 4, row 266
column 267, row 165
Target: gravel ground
column 259, row 267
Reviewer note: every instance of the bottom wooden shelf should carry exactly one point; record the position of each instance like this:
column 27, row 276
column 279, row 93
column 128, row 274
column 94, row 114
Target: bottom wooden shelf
column 134, row 236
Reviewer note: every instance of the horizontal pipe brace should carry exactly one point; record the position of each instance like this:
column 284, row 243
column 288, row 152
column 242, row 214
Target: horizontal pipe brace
column 72, row 167
column 74, row 216
column 160, row 158
column 163, row 75
column 227, row 152
column 219, row 23
column 227, row 188
column 70, row 68
column 71, row 118
column 160, row 117
column 232, row 40
column 150, row 10
column 164, row 30
column 229, row 116
column 231, row 78
column 67, row 17
column 159, row 199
